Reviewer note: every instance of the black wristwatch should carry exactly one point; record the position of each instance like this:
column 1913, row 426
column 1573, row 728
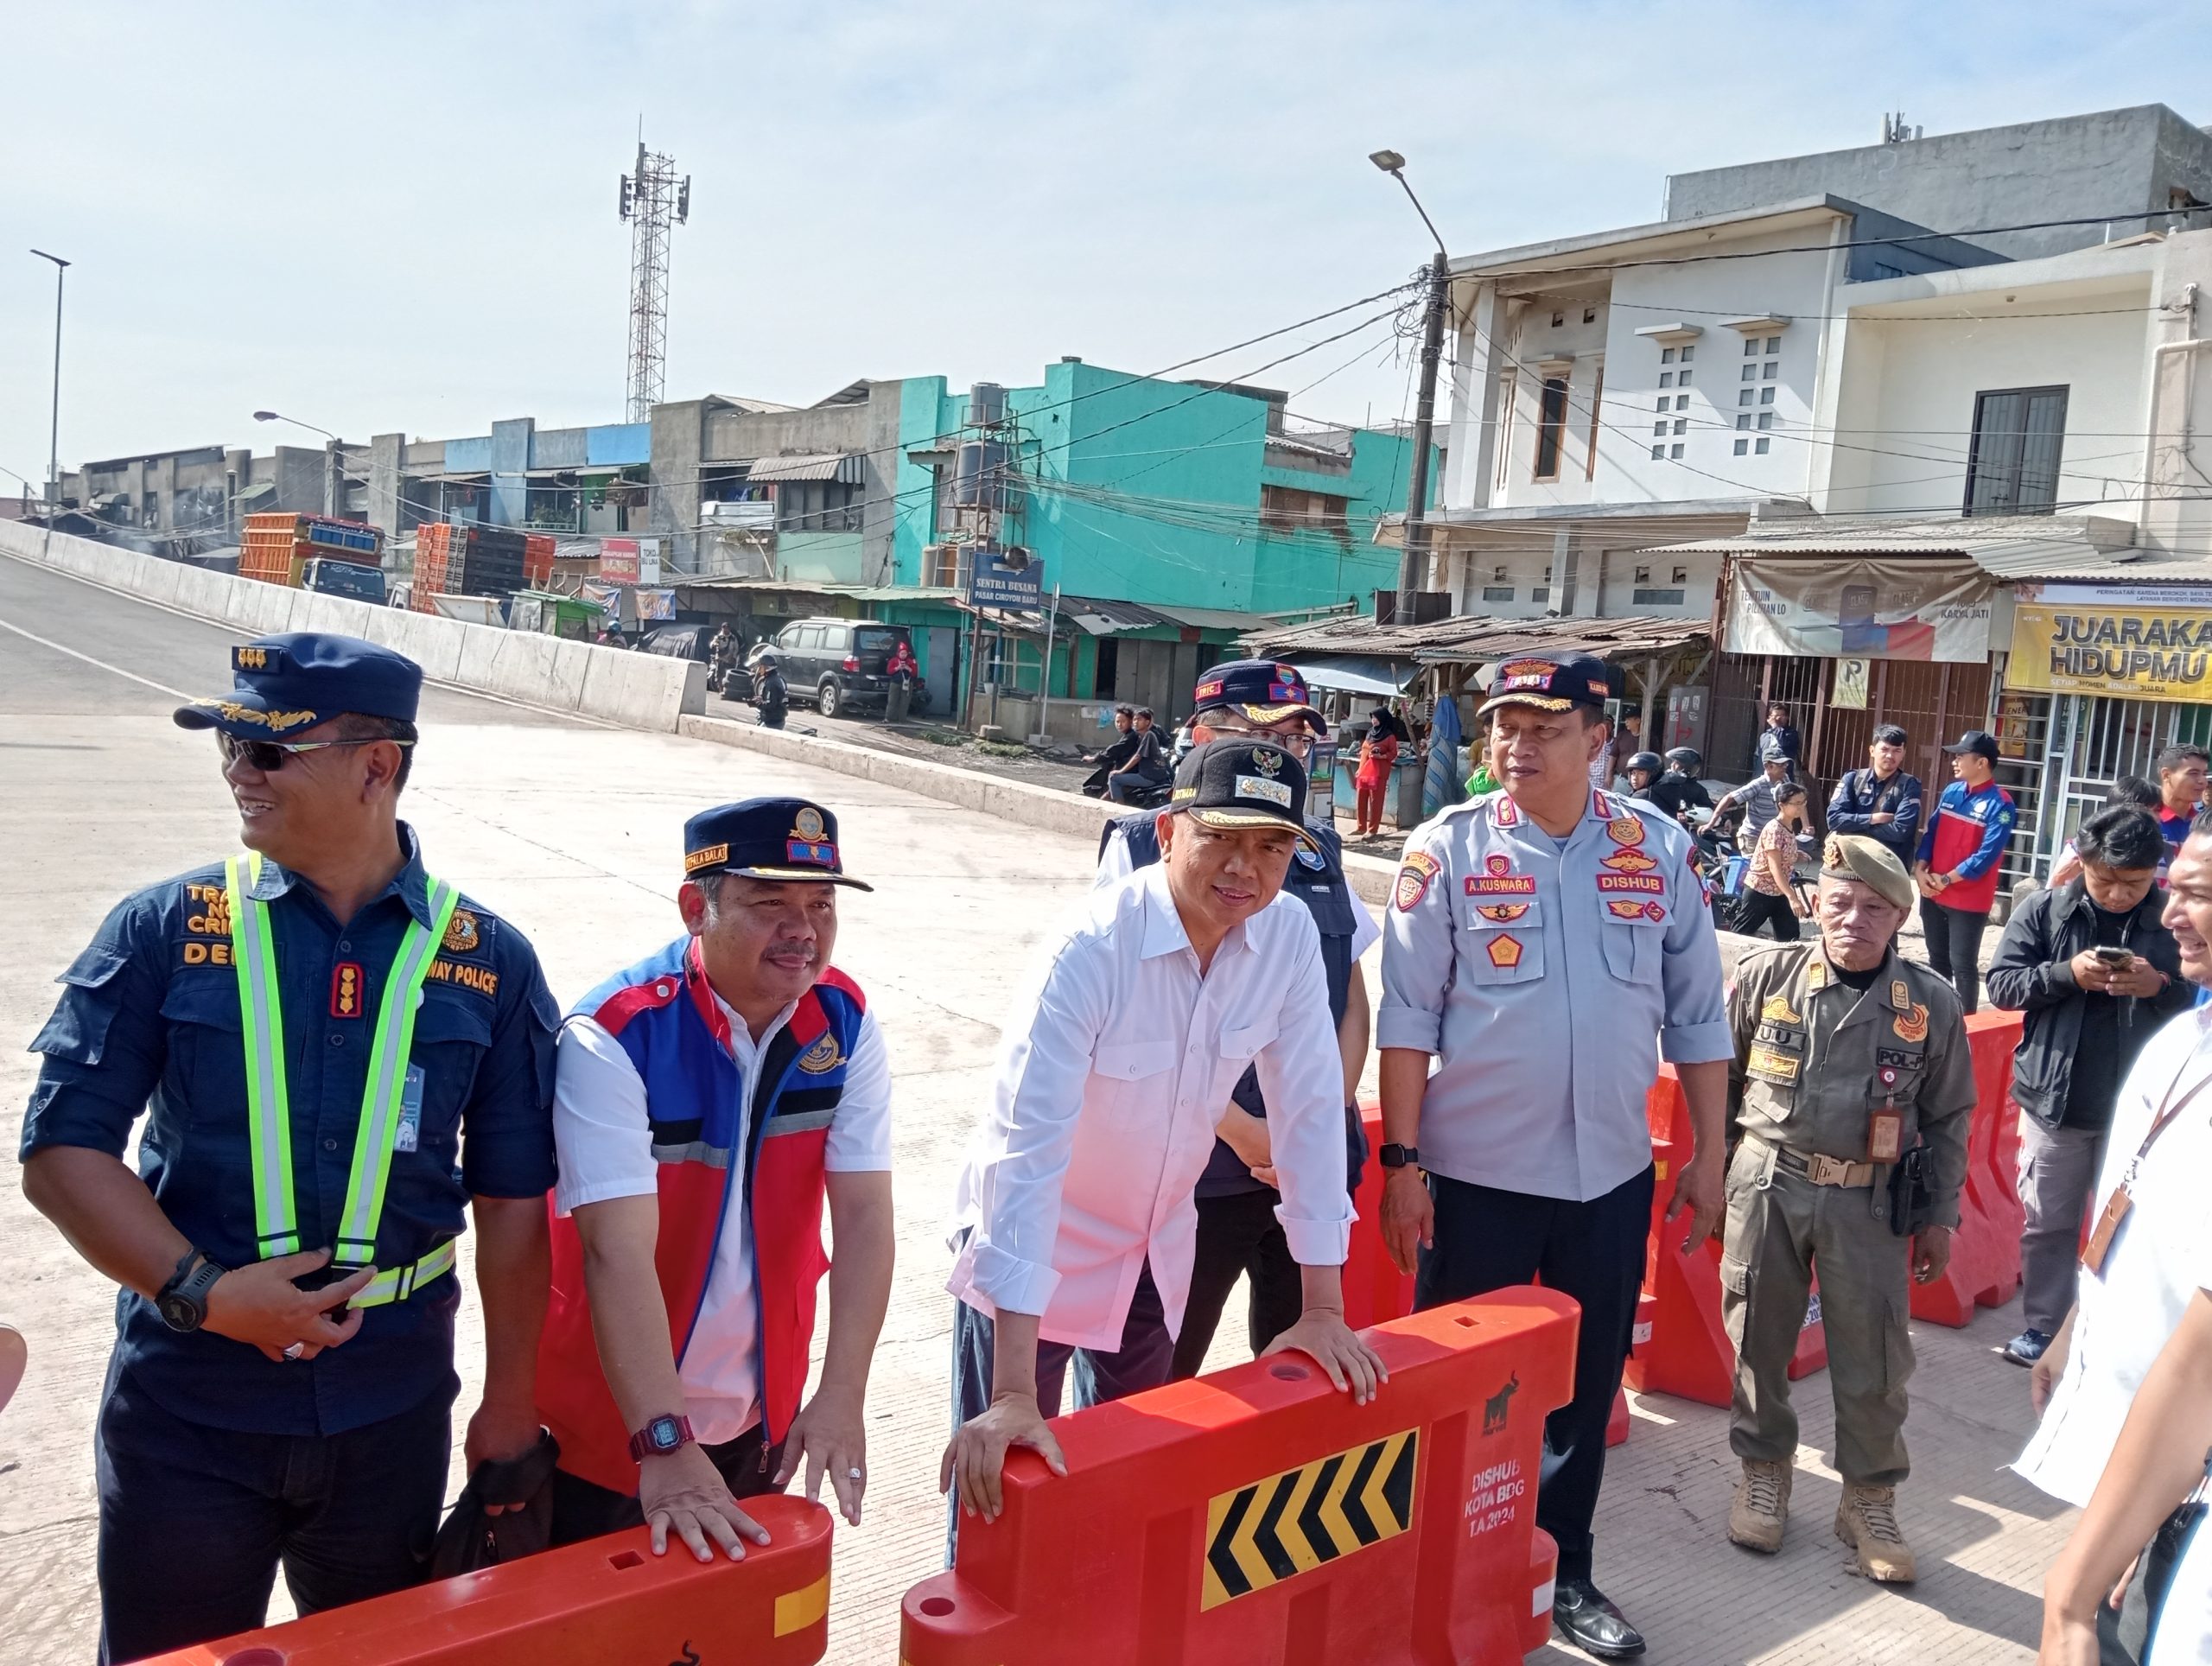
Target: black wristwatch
column 1400, row 1156
column 183, row 1299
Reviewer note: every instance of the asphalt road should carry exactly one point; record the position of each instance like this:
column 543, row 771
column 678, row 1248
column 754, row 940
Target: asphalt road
column 573, row 831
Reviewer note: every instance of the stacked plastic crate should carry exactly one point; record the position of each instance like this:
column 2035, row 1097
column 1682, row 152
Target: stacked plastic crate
column 466, row 561
column 276, row 548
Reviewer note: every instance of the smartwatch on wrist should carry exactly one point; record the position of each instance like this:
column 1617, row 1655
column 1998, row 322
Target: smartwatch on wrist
column 183, row 1302
column 665, row 1434
column 1400, row 1156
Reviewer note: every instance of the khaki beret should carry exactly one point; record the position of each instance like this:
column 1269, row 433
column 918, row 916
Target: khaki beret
column 1854, row 856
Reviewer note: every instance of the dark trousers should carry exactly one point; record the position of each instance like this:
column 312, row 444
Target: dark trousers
column 584, row 1509
column 1141, row 1363
column 1758, row 908
column 1238, row 1236
column 1487, row 1240
column 196, row 1521
column 1955, row 948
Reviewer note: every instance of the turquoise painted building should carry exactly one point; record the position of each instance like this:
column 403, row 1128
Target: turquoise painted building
column 1173, row 494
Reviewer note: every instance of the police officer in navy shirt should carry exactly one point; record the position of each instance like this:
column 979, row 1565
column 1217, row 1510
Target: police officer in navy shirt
column 335, row 1053
column 1238, row 1232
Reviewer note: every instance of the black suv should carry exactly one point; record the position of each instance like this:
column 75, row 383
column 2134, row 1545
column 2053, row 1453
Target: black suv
column 839, row 662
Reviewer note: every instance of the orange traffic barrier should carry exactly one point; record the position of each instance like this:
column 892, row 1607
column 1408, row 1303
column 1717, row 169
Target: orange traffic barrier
column 1373, row 1288
column 1680, row 1347
column 1985, row 1268
column 605, row 1602
column 1258, row 1514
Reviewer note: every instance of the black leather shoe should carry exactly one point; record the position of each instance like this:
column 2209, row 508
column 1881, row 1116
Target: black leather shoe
column 1589, row 1622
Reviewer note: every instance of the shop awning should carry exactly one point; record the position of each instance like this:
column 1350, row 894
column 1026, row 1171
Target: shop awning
column 2007, row 547
column 844, row 466
column 1357, row 673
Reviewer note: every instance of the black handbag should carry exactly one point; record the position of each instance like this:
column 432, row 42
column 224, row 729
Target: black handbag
column 472, row 1538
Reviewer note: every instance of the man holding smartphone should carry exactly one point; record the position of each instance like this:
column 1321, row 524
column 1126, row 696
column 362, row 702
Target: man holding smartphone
column 2094, row 973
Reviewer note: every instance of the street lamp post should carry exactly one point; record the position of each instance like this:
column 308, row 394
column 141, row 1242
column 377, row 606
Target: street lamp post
column 332, row 458
column 53, row 426
column 1413, row 561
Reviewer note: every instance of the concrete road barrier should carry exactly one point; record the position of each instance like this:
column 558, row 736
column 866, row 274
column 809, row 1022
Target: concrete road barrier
column 615, row 685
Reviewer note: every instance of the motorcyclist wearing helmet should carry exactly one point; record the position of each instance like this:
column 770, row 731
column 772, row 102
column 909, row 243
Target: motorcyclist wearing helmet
column 1679, row 789
column 1643, row 769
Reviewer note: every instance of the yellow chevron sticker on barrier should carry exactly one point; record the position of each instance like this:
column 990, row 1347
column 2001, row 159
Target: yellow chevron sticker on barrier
column 1291, row 1523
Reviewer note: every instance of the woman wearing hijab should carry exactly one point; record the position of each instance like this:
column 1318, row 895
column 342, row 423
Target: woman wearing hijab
column 1378, row 756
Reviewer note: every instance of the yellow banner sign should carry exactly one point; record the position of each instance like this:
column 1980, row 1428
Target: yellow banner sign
column 2140, row 653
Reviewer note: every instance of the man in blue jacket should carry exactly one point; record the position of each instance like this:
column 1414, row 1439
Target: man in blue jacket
column 1882, row 802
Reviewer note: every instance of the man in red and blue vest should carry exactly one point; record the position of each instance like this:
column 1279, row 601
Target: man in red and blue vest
column 1956, row 868
column 705, row 1103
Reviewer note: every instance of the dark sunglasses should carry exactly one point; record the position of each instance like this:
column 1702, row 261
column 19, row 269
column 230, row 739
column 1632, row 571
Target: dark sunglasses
column 269, row 756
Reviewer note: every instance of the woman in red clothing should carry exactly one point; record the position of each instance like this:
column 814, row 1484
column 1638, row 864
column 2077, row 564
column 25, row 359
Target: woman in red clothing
column 1378, row 756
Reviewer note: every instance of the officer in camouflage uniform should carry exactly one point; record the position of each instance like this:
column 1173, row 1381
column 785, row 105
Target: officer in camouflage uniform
column 1846, row 1057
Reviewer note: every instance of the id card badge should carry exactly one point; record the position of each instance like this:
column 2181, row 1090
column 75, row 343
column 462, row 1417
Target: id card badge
column 410, row 1112
column 1885, row 1126
column 2101, row 1241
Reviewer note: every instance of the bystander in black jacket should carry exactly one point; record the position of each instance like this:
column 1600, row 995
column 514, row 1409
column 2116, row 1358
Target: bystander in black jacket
column 2032, row 974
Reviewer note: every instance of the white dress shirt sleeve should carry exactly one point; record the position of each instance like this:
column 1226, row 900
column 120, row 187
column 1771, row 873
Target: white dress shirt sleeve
column 601, row 1132
column 1302, row 1080
column 1022, row 1154
column 860, row 1129
column 1695, row 1029
column 1114, row 862
column 1366, row 933
column 1419, row 944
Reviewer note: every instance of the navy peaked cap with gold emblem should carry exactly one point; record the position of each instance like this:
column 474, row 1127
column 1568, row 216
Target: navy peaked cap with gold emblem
column 1235, row 784
column 290, row 683
column 1551, row 682
column 1265, row 690
column 766, row 839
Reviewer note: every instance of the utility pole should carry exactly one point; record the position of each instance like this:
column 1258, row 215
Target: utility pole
column 1413, row 561
column 53, row 424
column 653, row 198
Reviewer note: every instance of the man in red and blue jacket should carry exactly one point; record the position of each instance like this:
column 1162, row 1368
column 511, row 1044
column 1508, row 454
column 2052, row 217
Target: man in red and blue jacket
column 705, row 1102
column 1956, row 867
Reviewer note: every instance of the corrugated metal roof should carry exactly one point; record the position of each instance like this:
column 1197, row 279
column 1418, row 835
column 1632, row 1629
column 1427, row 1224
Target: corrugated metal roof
column 817, row 466
column 1469, row 638
column 2007, row 547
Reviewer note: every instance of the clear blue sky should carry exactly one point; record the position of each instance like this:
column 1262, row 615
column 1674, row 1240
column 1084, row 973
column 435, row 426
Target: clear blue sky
column 393, row 216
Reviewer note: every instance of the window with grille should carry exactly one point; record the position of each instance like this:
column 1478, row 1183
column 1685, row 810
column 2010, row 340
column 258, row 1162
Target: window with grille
column 2013, row 464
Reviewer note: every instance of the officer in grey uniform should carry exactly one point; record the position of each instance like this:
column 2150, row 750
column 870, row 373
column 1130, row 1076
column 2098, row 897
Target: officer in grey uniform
column 1547, row 945
column 1845, row 1057
column 1238, row 1233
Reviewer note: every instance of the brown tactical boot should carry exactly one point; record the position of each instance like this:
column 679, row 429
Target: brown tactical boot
column 1761, row 1509
column 1866, row 1520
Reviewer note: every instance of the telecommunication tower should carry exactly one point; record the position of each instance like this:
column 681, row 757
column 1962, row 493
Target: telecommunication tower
column 653, row 198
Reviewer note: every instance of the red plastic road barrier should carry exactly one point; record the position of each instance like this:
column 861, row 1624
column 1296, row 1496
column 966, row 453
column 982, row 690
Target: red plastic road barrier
column 1258, row 1515
column 605, row 1602
column 1373, row 1288
column 1985, row 1268
column 1680, row 1345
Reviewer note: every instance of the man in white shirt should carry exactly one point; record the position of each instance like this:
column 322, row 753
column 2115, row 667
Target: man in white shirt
column 2129, row 1305
column 1075, row 1224
column 705, row 1101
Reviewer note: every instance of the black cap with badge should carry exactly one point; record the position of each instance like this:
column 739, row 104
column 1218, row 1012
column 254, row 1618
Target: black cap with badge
column 1551, row 682
column 295, row 680
column 1265, row 690
column 1975, row 741
column 780, row 839
column 1236, row 784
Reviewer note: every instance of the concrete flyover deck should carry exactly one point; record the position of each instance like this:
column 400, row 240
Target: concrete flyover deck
column 571, row 829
